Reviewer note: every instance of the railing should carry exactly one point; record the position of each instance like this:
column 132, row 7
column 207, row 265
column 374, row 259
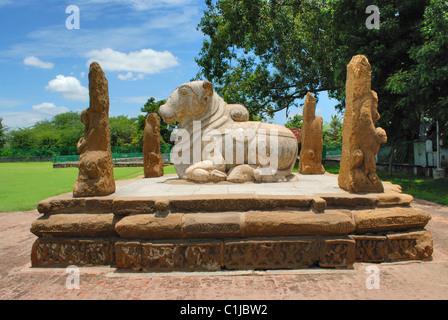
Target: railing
column 122, row 153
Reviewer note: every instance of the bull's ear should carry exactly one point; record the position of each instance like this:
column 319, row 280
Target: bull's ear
column 208, row 87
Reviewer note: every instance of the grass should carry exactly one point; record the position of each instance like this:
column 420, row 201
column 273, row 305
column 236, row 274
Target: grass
column 419, row 187
column 24, row 184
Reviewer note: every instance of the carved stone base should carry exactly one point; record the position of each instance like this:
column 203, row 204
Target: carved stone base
column 230, row 232
column 49, row 252
column 233, row 254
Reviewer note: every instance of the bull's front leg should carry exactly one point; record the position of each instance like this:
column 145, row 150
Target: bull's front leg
column 206, row 171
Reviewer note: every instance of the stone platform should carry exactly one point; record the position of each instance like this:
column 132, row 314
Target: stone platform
column 164, row 224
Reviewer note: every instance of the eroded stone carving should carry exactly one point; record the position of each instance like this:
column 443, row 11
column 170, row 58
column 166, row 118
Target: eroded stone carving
column 270, row 254
column 52, row 253
column 215, row 142
column 152, row 157
column 361, row 139
column 312, row 142
column 96, row 174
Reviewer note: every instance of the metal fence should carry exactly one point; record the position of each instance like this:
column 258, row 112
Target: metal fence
column 119, row 153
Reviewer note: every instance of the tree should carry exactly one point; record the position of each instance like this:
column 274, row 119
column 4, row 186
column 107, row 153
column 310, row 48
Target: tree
column 122, row 130
column 22, row 139
column 295, row 122
column 3, row 129
column 333, row 131
column 425, row 83
column 267, row 54
column 152, row 106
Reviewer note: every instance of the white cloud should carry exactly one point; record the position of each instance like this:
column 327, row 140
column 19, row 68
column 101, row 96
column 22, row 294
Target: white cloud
column 14, row 120
column 70, row 87
column 24, row 119
column 145, row 61
column 49, row 108
column 36, row 62
column 173, row 28
column 125, row 77
column 130, row 76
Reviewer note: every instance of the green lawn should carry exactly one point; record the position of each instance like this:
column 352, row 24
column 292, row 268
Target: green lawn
column 24, row 184
column 419, row 187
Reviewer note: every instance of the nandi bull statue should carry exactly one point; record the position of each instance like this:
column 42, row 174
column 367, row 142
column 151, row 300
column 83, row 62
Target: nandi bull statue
column 216, row 142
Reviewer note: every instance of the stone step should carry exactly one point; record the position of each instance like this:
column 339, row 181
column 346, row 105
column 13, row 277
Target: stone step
column 217, row 225
column 220, row 203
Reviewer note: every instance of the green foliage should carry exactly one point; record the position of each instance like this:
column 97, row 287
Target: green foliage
column 295, row 122
column 123, row 130
column 65, row 130
column 268, row 54
column 2, row 134
column 333, row 131
column 425, row 83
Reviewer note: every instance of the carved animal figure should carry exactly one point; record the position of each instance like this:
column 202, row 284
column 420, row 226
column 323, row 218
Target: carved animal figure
column 217, row 142
column 361, row 138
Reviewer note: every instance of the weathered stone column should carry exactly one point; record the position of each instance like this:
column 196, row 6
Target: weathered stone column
column 96, row 175
column 152, row 157
column 310, row 161
column 361, row 139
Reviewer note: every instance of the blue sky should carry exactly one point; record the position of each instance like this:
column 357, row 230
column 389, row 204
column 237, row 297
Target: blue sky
column 145, row 47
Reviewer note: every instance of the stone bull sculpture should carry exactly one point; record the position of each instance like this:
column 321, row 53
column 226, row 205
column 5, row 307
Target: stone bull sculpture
column 216, row 142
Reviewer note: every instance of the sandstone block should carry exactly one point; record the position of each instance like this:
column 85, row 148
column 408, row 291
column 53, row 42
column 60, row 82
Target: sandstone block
column 390, row 219
column 212, row 225
column 263, row 254
column 348, row 201
column 282, row 223
column 125, row 206
column 371, row 248
column 66, row 252
column 337, row 252
column 182, row 256
column 128, row 255
column 210, row 203
column 417, row 245
column 75, row 225
column 147, row 226
column 393, row 199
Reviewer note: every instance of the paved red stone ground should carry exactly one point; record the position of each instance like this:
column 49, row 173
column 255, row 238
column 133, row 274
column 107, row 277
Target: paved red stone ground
column 403, row 280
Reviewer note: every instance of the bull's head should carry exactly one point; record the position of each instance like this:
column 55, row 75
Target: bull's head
column 190, row 99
